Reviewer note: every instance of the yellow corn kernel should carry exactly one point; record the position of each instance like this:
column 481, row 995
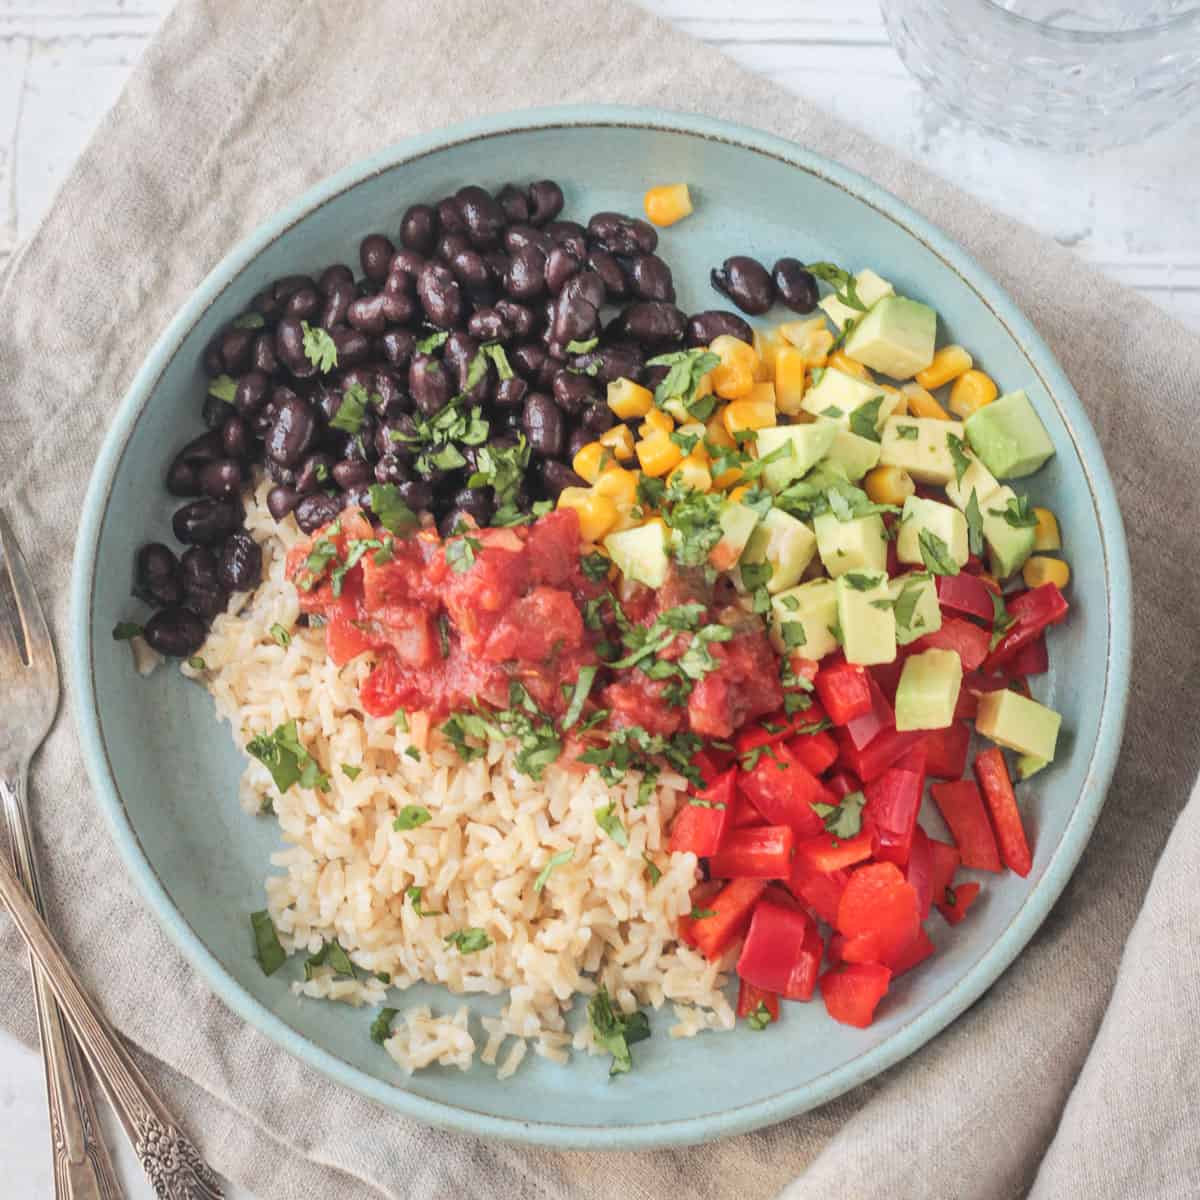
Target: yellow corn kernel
column 922, row 404
column 668, row 203
column 889, row 485
column 739, row 491
column 628, row 399
column 597, row 513
column 789, row 379
column 619, row 485
column 693, row 472
column 715, row 432
column 1046, row 535
column 657, row 454
column 766, row 346
column 1040, row 569
column 618, row 439
column 738, row 369
column 762, row 393
column 948, row 363
column 840, row 361
column 971, row 391
column 750, row 413
column 656, row 421
column 591, row 460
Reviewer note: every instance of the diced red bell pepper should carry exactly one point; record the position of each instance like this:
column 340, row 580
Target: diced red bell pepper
column 784, row 790
column 844, row 690
column 763, row 852
column 778, row 727
column 887, row 676
column 968, row 641
column 919, row 871
column 745, row 815
column 957, row 900
column 751, row 997
column 834, row 948
column 1031, row 612
column 962, row 809
column 1031, row 659
column 842, row 783
column 821, row 891
column 878, row 913
column 893, row 802
column 826, row 853
column 864, row 729
column 817, row 751
column 344, row 639
column 992, row 773
column 708, row 763
column 967, row 594
column 782, row 952
column 946, row 749
column 731, row 908
column 852, row 992
column 966, row 707
column 944, row 860
column 871, row 761
column 699, row 828
column 917, row 951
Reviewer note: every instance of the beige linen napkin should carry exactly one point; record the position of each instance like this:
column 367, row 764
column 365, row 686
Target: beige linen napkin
column 236, row 108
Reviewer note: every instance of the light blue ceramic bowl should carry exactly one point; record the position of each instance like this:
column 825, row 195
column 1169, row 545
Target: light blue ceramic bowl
column 165, row 772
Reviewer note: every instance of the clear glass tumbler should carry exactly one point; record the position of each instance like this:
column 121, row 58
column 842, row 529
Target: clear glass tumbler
column 1069, row 75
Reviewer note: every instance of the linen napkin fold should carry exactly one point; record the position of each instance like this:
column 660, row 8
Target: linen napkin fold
column 239, row 105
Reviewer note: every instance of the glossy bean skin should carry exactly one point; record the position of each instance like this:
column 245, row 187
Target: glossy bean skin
column 620, row 234
column 405, row 271
column 557, row 475
column 576, row 440
column 303, row 304
column 240, row 567
column 477, row 502
column 519, row 317
column 482, row 214
column 616, row 285
column 577, row 309
column 398, row 346
column 440, row 296
column 367, row 315
column 469, row 268
column 263, row 358
column 608, row 363
column 551, row 365
column 517, row 237
column 353, row 347
column 183, row 478
column 416, row 493
column 570, row 234
column 375, row 254
column 487, row 325
column 654, row 323
column 597, row 418
column 314, row 472
column 205, row 521
column 528, row 360
column 348, row 474
column 458, row 353
column 204, row 448
column 281, row 500
column 561, row 265
column 510, row 393
column 175, row 632
column 202, row 590
column 704, row 327
column 156, row 576
column 236, row 347
column 651, row 279
column 235, row 438
column 449, row 216
column 544, row 426
column 398, row 308
column 392, row 468
column 314, row 511
column 388, row 395
column 545, row 201
column 419, row 228
column 213, row 412
column 797, row 287
column 525, row 277
column 289, row 348
column 428, row 384
column 251, row 393
column 221, row 479
column 574, row 393
column 212, row 359
column 514, row 202
column 746, row 282
column 334, row 276
column 292, row 432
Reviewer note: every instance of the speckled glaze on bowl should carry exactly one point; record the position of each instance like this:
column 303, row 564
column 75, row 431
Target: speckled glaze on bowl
column 200, row 862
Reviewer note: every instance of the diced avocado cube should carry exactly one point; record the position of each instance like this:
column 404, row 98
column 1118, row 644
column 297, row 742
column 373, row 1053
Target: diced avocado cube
column 852, row 454
column 802, row 619
column 799, row 448
column 915, row 606
column 787, row 544
column 865, row 616
column 1029, row 765
column 1009, row 436
column 939, row 519
column 1018, row 723
column 869, row 287
column 856, row 545
column 928, row 690
column 976, row 478
column 895, row 337
column 925, row 454
column 1008, row 545
column 641, row 553
column 737, row 523
column 836, row 395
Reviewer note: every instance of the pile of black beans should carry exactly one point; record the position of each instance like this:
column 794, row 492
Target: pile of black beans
column 481, row 268
column 754, row 289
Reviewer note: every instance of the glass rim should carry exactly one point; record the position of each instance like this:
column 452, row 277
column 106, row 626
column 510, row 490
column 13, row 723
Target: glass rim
column 1091, row 35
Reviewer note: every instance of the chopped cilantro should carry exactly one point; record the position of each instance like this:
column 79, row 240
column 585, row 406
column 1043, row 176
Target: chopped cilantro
column 355, row 550
column 583, row 686
column 653, row 871
column 350, row 413
column 936, row 554
column 411, row 816
column 1002, row 622
column 843, row 820
column 907, row 433
column 502, row 468
column 197, row 663
column 280, row 635
column 461, row 552
column 555, row 860
column 351, row 772
column 616, row 1032
column 249, row 320
column 842, row 282
column 761, row 1017
column 267, row 950
column 124, row 630
column 607, row 819
column 223, row 387
column 699, row 914
column 595, row 566
column 860, row 582
column 468, row 941
column 686, row 368
column 864, row 419
column 287, row 760
column 974, row 524
column 414, row 896
column 381, row 1027
column 1017, row 513
column 958, row 454
column 394, row 515
column 319, row 348
column 577, row 347
column 906, row 605
column 435, row 341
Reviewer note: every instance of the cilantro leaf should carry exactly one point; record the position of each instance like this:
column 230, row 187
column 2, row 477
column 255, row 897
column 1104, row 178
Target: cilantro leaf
column 793, row 635
column 468, row 941
column 860, row 582
column 974, row 524
column 936, row 554
column 577, row 347
column 319, row 348
column 502, row 468
column 350, row 413
column 607, row 819
column 393, row 514
column 435, row 341
column 223, row 387
column 411, row 816
column 864, row 419
column 844, row 284
column 958, row 455
column 351, row 772
column 761, row 1017
column 595, row 566
column 461, row 552
column 414, row 896
column 267, row 950
column 616, row 1032
column 381, row 1027
column 287, row 760
column 686, row 368
column 280, row 635
column 1017, row 513
column 583, row 686
column 653, row 871
column 906, row 605
column 249, row 320
column 556, row 860
column 843, row 820
column 1002, row 622
column 124, row 630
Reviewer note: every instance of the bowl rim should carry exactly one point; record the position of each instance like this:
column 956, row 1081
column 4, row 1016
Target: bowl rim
column 780, row 1105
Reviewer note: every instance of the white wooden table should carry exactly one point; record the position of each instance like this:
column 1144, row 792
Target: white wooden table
column 1131, row 212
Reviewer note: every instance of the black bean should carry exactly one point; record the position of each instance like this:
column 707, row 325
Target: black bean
column 597, row 418
column 393, row 468
column 375, row 253
column 576, row 318
column 289, row 347
column 203, row 592
column 510, row 418
column 517, row 237
column 429, row 384
column 205, row 521
column 514, row 201
column 241, row 563
column 525, row 278
column 440, row 296
column 544, row 426
column 175, row 632
column 418, row 228
column 333, row 277
column 183, row 478
column 280, row 474
column 574, row 393
column 590, row 286
column 366, row 314
column 204, row 448
column 337, row 303
column 527, row 360
column 281, row 500
column 314, row 511
column 221, row 479
column 398, row 308
column 651, row 279
column 570, row 234
column 263, row 357
column 616, row 285
column 251, row 393
column 609, row 363
column 397, row 435
column 212, row 359
column 353, row 347
column 746, row 282
column 235, row 437
column 797, row 287
column 704, row 327
column 510, row 393
column 214, row 411
column 653, row 376
column 469, row 269
column 556, row 476
column 518, row 317
column 483, row 215
column 488, row 325
column 398, row 346
column 450, row 217
column 545, row 201
column 303, row 304
column 291, row 433
column 281, row 289
column 476, row 501
column 314, row 473
column 654, row 323
column 389, row 396
column 561, row 265
column 417, row 494
column 450, row 244
column 621, row 234
column 236, row 347
column 348, row 474
column 405, row 271
column 576, row 440
column 551, row 365
column 156, row 576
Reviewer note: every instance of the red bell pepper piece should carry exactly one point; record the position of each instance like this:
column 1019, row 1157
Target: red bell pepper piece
column 1031, row 612
column 871, row 761
column 817, row 751
column 344, row 639
column 778, row 727
column 784, row 790
column 731, row 908
column 946, row 750
column 917, row 951
column 958, row 900
column 968, row 641
column 750, row 998
column 878, row 913
column 844, row 691
column 992, row 773
column 700, row 828
column 893, row 802
column 852, row 992
column 967, row 594
column 966, row 707
column 826, row 853
column 887, row 676
column 1031, row 659
column 821, row 891
column 745, row 815
column 782, row 952
column 919, row 871
column 864, row 729
column 763, row 852
column 962, row 809
column 944, row 860
column 842, row 783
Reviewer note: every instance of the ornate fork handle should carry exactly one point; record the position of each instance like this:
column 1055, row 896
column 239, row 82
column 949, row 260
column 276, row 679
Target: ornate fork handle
column 170, row 1160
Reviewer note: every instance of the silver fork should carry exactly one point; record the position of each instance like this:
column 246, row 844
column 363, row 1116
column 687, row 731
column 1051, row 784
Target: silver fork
column 82, row 1168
